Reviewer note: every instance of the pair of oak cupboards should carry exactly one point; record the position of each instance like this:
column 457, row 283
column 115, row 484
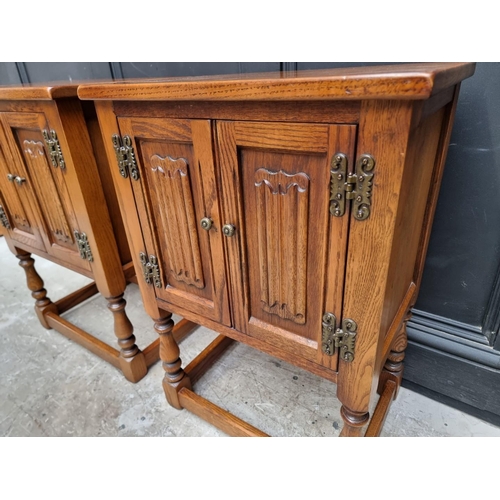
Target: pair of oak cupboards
column 291, row 213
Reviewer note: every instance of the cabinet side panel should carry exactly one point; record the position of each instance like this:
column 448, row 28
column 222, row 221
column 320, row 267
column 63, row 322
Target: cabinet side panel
column 87, row 195
column 420, row 161
column 106, row 180
column 442, row 153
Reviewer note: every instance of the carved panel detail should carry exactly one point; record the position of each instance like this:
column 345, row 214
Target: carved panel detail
column 176, row 208
column 21, row 222
column 34, row 148
column 47, row 194
column 282, row 217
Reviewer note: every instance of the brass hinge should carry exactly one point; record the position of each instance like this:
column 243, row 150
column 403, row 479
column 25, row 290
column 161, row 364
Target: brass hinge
column 83, row 246
column 125, row 156
column 54, row 148
column 343, row 338
column 150, row 270
column 346, row 186
column 3, row 219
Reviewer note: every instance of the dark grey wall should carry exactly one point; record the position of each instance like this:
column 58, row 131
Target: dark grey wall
column 151, row 70
column 454, row 346
column 9, row 74
column 464, row 252
column 43, row 72
column 31, row 72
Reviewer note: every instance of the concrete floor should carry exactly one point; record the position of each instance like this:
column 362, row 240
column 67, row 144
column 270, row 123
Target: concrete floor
column 50, row 386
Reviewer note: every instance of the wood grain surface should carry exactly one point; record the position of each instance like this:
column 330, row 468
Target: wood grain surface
column 267, row 174
column 409, row 81
column 49, row 202
column 220, row 418
column 38, row 91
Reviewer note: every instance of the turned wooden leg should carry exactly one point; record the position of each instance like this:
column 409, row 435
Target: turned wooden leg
column 353, row 422
column 132, row 362
column 175, row 378
column 393, row 368
column 42, row 303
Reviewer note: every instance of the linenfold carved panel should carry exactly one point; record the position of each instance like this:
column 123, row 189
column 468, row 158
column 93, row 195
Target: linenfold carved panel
column 282, row 215
column 20, row 220
column 176, row 209
column 22, row 223
column 47, row 194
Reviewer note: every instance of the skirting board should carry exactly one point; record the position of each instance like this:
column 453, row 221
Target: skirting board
column 453, row 369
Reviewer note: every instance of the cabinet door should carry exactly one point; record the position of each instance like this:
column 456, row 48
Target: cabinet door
column 287, row 256
column 44, row 186
column 176, row 189
column 18, row 217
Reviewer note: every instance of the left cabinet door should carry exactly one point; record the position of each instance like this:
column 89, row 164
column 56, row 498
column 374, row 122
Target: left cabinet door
column 17, row 216
column 177, row 202
column 42, row 184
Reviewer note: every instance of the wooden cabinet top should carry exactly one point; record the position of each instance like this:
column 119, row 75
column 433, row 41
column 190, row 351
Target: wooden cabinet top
column 38, row 91
column 405, row 81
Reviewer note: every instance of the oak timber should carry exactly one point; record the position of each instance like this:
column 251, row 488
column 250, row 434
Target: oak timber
column 206, row 358
column 217, row 416
column 77, row 297
column 52, row 199
column 410, row 81
column 286, row 259
column 83, row 338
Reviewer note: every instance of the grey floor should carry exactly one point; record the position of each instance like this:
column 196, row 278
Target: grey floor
column 49, row 386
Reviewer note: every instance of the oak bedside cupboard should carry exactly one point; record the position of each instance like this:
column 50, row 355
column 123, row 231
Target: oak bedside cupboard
column 57, row 201
column 291, row 213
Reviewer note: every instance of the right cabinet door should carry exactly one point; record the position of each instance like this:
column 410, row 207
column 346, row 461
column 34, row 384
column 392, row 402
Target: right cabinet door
column 287, row 254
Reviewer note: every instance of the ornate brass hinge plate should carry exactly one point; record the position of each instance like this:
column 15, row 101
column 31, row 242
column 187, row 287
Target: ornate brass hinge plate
column 346, row 186
column 125, row 156
column 3, row 219
column 150, row 270
column 83, row 246
column 343, row 338
column 54, row 148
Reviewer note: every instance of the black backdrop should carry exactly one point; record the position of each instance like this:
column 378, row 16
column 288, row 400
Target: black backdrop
column 454, row 351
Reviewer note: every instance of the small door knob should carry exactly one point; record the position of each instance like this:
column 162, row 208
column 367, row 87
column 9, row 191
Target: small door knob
column 206, row 223
column 11, row 177
column 19, row 180
column 228, row 230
